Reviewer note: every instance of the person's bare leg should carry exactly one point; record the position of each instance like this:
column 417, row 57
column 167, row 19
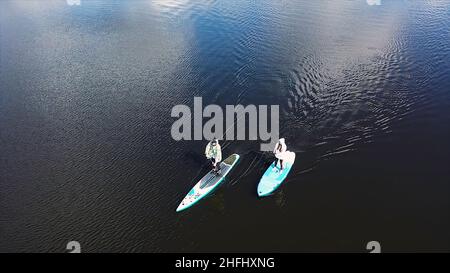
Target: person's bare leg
column 216, row 166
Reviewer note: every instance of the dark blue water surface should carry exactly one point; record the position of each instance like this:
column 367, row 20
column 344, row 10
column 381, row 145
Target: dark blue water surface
column 86, row 90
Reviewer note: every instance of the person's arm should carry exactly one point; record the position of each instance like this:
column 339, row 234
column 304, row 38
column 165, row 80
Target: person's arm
column 275, row 150
column 207, row 151
column 219, row 153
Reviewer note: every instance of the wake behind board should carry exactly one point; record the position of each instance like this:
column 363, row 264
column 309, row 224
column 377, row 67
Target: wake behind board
column 273, row 177
column 208, row 183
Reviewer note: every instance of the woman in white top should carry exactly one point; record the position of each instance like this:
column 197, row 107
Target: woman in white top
column 280, row 152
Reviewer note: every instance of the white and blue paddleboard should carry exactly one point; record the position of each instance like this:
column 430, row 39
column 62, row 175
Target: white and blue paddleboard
column 273, row 177
column 208, row 183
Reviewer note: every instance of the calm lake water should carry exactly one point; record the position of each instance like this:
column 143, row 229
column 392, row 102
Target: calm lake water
column 86, row 90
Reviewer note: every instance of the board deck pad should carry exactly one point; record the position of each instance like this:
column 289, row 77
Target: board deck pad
column 273, row 177
column 208, row 183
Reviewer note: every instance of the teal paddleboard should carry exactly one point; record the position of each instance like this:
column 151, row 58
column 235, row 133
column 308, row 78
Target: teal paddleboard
column 273, row 177
column 208, row 183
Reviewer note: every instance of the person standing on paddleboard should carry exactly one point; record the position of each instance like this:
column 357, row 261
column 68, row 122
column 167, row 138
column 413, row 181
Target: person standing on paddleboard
column 280, row 152
column 213, row 152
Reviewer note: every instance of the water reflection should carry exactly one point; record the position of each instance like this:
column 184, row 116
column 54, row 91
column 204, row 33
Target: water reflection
column 85, row 113
column 73, row 2
column 170, row 6
column 374, row 2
